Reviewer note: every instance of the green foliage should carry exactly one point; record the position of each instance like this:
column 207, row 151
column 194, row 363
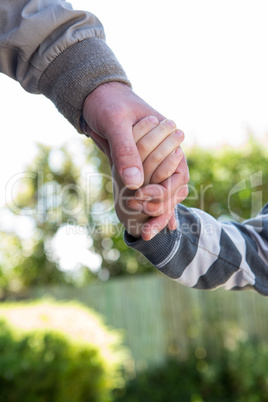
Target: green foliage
column 71, row 357
column 228, row 183
column 238, row 375
column 73, row 191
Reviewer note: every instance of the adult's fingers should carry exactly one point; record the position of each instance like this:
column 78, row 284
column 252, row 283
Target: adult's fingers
column 121, row 150
column 152, row 208
column 111, row 111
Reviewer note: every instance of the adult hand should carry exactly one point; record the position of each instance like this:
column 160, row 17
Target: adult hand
column 110, row 112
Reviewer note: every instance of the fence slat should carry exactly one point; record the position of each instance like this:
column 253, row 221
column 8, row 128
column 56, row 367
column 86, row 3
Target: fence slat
column 161, row 318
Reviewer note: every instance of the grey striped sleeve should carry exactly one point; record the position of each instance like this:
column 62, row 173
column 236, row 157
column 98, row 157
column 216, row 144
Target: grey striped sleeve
column 205, row 254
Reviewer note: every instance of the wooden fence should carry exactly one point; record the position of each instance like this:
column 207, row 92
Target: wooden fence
column 161, row 318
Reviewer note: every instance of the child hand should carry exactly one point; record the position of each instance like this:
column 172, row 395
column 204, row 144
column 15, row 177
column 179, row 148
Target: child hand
column 158, row 201
column 159, row 148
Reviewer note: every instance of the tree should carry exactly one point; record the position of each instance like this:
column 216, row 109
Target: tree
column 65, row 197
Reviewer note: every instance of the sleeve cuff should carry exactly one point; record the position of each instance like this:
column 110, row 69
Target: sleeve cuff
column 76, row 72
column 158, row 250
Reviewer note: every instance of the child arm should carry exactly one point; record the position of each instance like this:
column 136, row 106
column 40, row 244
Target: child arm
column 203, row 253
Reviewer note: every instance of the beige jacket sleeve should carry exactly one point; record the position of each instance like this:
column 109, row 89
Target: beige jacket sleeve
column 50, row 48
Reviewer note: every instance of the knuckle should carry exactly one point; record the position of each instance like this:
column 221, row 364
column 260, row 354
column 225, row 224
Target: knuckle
column 148, row 123
column 165, row 128
column 156, row 158
column 180, row 190
column 172, row 161
column 157, row 178
column 142, row 146
column 183, row 193
column 186, row 177
column 153, row 208
column 141, row 128
column 126, row 150
column 160, row 175
column 183, row 172
column 125, row 156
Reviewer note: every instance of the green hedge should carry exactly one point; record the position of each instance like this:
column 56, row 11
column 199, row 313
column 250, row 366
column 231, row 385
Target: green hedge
column 79, row 361
column 239, row 375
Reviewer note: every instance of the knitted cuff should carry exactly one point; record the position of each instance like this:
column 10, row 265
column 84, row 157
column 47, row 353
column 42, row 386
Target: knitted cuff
column 157, row 250
column 76, row 72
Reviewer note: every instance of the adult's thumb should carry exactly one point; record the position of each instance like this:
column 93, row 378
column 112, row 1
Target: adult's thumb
column 126, row 157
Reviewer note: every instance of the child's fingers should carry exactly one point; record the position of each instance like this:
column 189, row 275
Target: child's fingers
column 172, row 224
column 158, row 208
column 144, row 126
column 150, row 141
column 168, row 188
column 167, row 167
column 152, row 227
column 159, row 154
column 151, row 208
column 163, row 205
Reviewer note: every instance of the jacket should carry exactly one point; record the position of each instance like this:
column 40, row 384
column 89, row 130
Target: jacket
column 51, row 49
column 206, row 254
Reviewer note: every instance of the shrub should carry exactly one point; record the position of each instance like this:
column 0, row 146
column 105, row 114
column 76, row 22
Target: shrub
column 239, row 375
column 57, row 352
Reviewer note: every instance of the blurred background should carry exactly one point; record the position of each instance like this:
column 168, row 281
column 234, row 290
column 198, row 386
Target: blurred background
column 81, row 314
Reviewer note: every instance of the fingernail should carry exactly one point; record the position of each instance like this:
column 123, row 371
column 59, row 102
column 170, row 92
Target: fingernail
column 178, row 152
column 171, row 123
column 179, row 133
column 132, row 178
column 142, row 196
column 136, row 206
column 153, row 233
column 153, row 119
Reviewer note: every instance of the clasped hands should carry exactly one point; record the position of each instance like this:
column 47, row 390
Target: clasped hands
column 111, row 112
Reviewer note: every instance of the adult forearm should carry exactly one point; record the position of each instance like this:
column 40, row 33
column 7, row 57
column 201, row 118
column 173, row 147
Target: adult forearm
column 52, row 49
